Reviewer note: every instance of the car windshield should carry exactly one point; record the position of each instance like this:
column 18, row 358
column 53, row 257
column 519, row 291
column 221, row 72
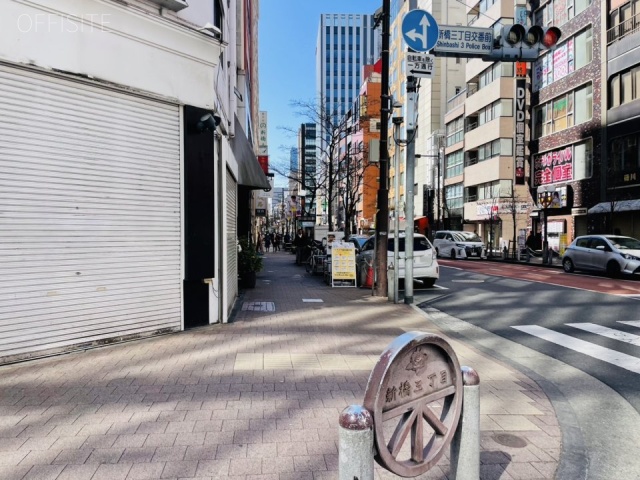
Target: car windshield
column 625, row 243
column 419, row 244
column 466, row 237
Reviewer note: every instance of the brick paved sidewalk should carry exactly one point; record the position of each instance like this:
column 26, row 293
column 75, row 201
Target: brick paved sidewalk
column 257, row 399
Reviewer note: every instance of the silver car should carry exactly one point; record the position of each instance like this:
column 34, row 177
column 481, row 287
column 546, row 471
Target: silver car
column 612, row 254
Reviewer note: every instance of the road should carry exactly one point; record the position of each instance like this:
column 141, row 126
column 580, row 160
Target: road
column 589, row 322
column 586, row 332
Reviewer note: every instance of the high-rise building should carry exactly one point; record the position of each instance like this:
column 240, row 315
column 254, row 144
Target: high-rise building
column 307, row 159
column 345, row 43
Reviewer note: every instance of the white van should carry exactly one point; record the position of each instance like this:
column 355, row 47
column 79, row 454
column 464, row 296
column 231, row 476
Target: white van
column 458, row 244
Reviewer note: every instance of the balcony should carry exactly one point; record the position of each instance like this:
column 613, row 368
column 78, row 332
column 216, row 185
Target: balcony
column 623, row 29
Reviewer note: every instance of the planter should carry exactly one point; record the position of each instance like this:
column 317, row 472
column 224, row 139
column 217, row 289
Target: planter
column 248, row 280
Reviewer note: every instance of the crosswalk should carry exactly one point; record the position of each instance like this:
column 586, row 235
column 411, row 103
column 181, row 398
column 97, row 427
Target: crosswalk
column 622, row 360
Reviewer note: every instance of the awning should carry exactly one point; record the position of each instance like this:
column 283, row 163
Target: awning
column 618, row 206
column 250, row 174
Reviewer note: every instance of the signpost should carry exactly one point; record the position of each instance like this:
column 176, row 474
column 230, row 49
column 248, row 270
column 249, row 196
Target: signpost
column 420, row 65
column 420, row 30
column 466, row 42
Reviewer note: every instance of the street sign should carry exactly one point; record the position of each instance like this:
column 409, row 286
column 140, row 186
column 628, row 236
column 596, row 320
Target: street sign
column 420, row 30
column 420, row 65
column 456, row 40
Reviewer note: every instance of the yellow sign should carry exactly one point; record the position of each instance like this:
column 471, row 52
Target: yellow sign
column 343, row 263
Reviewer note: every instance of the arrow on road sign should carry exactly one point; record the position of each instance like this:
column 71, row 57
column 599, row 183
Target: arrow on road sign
column 414, row 35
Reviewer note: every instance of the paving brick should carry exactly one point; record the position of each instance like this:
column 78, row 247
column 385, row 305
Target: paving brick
column 78, row 472
column 44, row 472
column 213, row 468
column 181, row 469
column 118, row 471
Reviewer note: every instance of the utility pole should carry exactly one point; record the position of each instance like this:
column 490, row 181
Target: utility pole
column 409, row 193
column 382, row 215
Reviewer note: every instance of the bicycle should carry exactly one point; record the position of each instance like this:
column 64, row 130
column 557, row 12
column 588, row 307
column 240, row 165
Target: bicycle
column 316, row 258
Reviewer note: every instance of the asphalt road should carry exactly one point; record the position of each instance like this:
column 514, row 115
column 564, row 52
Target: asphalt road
column 585, row 332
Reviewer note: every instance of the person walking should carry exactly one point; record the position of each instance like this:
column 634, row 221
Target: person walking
column 299, row 243
column 277, row 242
column 267, row 241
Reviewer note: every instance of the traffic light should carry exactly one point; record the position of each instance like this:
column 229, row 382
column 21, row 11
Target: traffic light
column 518, row 43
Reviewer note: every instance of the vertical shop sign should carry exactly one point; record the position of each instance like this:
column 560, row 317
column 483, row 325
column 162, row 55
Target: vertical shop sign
column 521, row 115
column 263, row 144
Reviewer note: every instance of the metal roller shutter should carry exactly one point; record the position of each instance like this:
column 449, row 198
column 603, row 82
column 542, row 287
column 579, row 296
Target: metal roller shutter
column 90, row 239
column 232, row 237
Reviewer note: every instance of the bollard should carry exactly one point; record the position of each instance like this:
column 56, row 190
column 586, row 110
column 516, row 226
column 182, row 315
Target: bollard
column 355, row 448
column 465, row 445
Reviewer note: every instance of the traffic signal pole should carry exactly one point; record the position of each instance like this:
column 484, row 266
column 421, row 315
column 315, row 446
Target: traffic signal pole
column 382, row 215
column 409, row 193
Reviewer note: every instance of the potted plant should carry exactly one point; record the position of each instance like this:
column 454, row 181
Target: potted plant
column 249, row 263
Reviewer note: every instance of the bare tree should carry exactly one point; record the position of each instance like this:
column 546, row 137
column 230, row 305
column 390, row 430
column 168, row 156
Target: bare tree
column 511, row 204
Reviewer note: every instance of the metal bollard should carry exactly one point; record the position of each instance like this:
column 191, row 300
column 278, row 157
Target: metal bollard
column 355, row 446
column 465, row 445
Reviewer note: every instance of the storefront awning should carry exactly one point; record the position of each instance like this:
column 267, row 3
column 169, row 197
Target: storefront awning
column 250, row 174
column 618, row 206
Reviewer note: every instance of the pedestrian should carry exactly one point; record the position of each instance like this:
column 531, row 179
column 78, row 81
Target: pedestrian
column 278, row 241
column 530, row 244
column 299, row 242
column 259, row 244
column 267, row 241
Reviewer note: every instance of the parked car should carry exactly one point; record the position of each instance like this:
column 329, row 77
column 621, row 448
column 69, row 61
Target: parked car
column 425, row 264
column 357, row 241
column 458, row 244
column 612, row 254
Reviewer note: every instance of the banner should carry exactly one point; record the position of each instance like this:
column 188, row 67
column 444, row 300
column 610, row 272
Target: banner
column 520, row 119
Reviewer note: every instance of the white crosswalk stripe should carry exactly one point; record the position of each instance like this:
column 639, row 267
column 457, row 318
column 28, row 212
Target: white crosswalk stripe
column 608, row 332
column 622, row 360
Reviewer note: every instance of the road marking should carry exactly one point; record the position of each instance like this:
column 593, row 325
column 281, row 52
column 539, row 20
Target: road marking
column 312, row 300
column 619, row 359
column 608, row 332
column 633, row 323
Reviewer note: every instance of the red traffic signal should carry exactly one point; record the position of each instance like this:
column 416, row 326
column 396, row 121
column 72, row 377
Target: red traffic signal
column 551, row 37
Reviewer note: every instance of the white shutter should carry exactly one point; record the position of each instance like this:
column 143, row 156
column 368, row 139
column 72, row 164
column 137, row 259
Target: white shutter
column 232, row 249
column 90, row 243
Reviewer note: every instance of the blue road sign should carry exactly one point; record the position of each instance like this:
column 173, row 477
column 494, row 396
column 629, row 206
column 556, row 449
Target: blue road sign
column 420, row 30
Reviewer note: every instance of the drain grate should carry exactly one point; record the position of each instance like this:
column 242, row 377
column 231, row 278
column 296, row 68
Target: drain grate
column 509, row 440
column 259, row 306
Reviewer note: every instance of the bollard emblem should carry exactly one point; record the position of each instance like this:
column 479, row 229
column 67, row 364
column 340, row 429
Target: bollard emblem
column 414, row 394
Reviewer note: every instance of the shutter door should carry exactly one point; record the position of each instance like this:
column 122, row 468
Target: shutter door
column 90, row 239
column 232, row 236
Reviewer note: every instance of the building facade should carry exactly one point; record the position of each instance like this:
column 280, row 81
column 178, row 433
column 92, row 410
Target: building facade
column 120, row 202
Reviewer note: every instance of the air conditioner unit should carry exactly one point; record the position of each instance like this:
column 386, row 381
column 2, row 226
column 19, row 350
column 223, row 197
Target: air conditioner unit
column 175, row 5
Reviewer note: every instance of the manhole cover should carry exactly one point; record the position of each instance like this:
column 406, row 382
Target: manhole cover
column 509, row 440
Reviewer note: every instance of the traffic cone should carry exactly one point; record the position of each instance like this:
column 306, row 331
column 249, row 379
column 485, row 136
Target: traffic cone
column 368, row 283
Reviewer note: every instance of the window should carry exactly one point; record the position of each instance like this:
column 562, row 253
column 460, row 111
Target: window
column 455, row 131
column 624, row 87
column 565, row 111
column 582, row 160
column 454, row 164
column 583, row 46
column 454, row 196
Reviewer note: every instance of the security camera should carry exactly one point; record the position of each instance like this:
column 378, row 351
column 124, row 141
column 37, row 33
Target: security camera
column 211, row 28
column 397, row 120
column 208, row 122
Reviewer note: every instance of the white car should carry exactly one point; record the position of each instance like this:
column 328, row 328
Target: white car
column 458, row 244
column 425, row 264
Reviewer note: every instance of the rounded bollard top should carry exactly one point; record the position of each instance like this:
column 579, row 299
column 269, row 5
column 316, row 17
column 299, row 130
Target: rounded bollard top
column 356, row 417
column 469, row 376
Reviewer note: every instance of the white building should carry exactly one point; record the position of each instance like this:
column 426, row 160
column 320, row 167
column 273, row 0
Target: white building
column 118, row 201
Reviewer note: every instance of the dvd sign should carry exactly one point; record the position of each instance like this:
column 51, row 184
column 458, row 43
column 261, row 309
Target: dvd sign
column 521, row 116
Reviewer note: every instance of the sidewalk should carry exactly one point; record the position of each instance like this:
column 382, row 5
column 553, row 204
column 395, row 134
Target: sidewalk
column 257, row 399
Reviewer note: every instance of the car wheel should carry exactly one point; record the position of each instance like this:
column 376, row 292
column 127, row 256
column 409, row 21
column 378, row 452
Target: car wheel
column 567, row 265
column 613, row 269
column 428, row 282
column 453, row 254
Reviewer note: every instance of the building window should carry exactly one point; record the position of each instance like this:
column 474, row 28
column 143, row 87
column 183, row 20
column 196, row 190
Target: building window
column 624, row 87
column 454, row 195
column 455, row 131
column 563, row 112
column 454, row 164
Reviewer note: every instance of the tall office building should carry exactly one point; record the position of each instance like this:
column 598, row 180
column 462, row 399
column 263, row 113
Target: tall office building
column 345, row 43
column 308, row 156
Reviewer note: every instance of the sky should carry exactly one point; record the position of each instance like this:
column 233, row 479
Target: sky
column 287, row 33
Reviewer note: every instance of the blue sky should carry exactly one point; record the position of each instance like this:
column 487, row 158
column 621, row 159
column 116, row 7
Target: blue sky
column 286, row 61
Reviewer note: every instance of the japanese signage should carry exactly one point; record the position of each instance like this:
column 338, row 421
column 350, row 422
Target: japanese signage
column 521, row 16
column 414, row 376
column 486, row 210
column 263, row 148
column 420, row 65
column 467, row 41
column 520, row 119
column 553, row 167
column 261, row 206
column 343, row 263
column 552, row 197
